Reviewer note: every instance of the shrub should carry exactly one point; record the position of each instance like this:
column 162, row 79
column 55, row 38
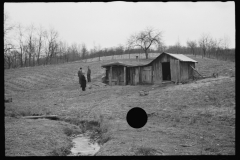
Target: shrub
column 103, row 139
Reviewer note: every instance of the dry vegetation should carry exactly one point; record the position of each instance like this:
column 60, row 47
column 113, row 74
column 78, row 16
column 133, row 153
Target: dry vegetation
column 193, row 118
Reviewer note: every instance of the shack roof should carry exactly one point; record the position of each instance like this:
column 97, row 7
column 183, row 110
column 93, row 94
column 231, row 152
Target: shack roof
column 128, row 63
column 143, row 62
column 180, row 57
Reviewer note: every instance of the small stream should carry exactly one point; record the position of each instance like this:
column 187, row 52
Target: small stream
column 82, row 145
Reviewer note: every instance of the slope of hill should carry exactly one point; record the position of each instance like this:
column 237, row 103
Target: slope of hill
column 194, row 118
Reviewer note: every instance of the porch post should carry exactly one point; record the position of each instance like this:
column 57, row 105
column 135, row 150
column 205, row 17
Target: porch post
column 124, row 76
column 179, row 72
column 152, row 74
column 139, row 75
column 110, row 76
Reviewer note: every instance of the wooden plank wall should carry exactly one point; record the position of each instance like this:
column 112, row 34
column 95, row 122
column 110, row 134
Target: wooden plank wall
column 157, row 68
column 190, row 70
column 157, row 71
column 180, row 71
column 146, row 75
column 132, row 77
column 174, row 69
column 136, row 79
column 117, row 75
column 183, row 71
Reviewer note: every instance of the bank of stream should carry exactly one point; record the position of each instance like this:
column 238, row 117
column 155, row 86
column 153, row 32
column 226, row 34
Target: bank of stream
column 84, row 146
column 88, row 138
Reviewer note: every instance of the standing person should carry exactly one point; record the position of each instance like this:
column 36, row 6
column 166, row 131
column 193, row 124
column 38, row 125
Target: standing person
column 89, row 74
column 83, row 82
column 79, row 74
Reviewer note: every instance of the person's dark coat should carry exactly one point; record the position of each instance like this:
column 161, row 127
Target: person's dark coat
column 79, row 76
column 83, row 81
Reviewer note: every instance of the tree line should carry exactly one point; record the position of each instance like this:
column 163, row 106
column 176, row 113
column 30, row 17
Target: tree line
column 32, row 46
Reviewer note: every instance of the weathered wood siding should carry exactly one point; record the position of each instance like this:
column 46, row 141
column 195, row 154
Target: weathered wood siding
column 146, row 75
column 186, row 71
column 157, row 68
column 134, row 75
column 157, row 71
column 174, row 69
column 152, row 73
column 117, row 75
column 180, row 71
column 183, row 71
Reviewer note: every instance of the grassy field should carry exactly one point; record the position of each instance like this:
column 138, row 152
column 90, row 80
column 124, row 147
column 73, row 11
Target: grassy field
column 194, row 118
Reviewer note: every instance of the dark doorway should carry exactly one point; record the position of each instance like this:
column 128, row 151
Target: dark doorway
column 166, row 74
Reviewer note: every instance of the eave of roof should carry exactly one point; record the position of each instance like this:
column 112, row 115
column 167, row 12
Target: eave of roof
column 181, row 57
column 131, row 63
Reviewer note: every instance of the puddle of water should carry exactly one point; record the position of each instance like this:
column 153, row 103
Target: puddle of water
column 83, row 146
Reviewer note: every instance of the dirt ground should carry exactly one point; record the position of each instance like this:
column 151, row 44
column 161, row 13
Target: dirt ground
column 196, row 118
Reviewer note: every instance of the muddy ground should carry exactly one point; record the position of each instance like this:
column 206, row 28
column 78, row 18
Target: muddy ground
column 188, row 119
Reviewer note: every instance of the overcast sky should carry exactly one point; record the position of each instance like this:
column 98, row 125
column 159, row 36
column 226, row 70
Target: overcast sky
column 111, row 24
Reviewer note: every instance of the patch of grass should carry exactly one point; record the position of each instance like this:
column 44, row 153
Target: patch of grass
column 35, row 138
column 13, row 114
column 226, row 119
column 206, row 114
column 62, row 151
column 193, row 120
column 177, row 119
column 25, row 113
column 145, row 151
column 212, row 150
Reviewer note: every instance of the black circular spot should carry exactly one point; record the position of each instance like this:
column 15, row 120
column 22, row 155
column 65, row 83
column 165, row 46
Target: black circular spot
column 137, row 117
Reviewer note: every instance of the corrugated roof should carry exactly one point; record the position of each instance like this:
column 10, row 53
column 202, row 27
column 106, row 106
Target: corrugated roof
column 181, row 57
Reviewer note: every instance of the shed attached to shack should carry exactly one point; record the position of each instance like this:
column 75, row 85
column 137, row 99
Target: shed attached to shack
column 121, row 73
column 165, row 67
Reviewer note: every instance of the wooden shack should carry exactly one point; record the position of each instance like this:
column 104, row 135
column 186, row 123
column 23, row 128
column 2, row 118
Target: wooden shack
column 165, row 67
column 123, row 73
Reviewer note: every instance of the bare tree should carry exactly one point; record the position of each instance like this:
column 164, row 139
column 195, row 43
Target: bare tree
column 161, row 47
column 39, row 42
column 218, row 44
column 73, row 52
column 25, row 50
column 225, row 46
column 203, row 44
column 7, row 28
column 30, row 43
column 192, row 45
column 79, row 49
column 51, row 44
column 62, row 50
column 226, row 43
column 145, row 39
column 178, row 46
column 21, row 44
column 84, row 50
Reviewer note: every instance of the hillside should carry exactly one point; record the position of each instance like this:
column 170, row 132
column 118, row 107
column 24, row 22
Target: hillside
column 193, row 118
